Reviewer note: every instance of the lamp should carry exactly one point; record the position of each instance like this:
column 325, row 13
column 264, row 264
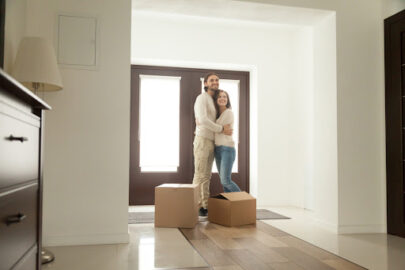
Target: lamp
column 35, row 65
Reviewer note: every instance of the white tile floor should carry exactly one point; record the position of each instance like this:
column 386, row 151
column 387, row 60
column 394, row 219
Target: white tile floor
column 151, row 247
column 372, row 251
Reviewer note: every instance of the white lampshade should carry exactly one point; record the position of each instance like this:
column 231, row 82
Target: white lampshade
column 36, row 64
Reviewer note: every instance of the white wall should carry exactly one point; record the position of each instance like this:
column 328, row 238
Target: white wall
column 390, row 7
column 324, row 145
column 360, row 112
column 278, row 53
column 86, row 151
column 14, row 30
column 301, row 120
column 360, row 106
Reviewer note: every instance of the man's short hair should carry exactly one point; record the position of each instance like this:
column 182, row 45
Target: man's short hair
column 206, row 78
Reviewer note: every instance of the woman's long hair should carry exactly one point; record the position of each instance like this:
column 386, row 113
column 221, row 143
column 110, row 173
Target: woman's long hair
column 216, row 96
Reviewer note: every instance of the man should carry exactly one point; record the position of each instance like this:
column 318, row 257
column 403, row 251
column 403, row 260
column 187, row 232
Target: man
column 205, row 113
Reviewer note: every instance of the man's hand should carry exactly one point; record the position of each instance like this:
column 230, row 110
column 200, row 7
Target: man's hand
column 227, row 130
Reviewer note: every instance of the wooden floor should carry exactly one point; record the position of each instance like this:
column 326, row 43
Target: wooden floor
column 257, row 247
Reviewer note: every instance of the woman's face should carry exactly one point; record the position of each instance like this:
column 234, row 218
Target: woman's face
column 222, row 99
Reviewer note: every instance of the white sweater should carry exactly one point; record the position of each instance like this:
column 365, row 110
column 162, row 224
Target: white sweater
column 205, row 113
column 226, row 118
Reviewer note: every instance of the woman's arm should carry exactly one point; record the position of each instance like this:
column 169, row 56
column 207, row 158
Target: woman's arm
column 228, row 117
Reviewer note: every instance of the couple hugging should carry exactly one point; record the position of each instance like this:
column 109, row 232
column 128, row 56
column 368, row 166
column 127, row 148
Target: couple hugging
column 213, row 138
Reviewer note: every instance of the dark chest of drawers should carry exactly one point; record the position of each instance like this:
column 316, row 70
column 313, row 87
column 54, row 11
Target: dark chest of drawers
column 21, row 127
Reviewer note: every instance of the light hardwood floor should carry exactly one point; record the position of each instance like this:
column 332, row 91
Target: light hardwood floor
column 259, row 246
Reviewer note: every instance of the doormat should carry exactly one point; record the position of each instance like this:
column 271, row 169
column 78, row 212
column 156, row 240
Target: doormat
column 149, row 217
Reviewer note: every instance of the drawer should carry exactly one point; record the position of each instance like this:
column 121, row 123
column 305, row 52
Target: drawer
column 29, row 261
column 19, row 159
column 18, row 224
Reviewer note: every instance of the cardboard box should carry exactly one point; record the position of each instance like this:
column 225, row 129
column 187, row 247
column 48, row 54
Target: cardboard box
column 232, row 209
column 176, row 205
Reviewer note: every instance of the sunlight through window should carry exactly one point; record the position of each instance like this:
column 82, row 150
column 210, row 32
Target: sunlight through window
column 159, row 133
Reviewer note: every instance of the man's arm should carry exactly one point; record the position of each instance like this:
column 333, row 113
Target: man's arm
column 200, row 109
column 227, row 128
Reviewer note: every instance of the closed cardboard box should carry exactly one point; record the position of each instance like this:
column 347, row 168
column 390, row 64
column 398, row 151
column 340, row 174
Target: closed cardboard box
column 176, row 205
column 232, row 209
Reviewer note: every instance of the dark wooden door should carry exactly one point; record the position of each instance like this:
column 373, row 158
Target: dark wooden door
column 2, row 30
column 394, row 28
column 142, row 183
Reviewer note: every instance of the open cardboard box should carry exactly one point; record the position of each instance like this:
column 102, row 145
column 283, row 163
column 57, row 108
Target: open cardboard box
column 232, row 209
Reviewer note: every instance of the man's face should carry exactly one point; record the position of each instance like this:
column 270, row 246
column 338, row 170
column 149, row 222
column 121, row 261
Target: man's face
column 212, row 83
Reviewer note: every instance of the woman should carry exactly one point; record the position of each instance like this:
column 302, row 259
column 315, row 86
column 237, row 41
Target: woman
column 224, row 144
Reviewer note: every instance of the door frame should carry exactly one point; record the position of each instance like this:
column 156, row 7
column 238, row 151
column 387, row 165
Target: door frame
column 394, row 123
column 134, row 117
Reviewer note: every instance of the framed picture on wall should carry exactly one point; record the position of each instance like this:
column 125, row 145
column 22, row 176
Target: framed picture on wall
column 77, row 40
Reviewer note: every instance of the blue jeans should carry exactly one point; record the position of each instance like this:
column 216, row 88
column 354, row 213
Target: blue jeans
column 224, row 157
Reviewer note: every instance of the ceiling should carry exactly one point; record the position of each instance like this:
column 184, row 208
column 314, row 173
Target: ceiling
column 234, row 9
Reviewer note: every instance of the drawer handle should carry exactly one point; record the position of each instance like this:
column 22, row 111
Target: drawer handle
column 15, row 219
column 21, row 139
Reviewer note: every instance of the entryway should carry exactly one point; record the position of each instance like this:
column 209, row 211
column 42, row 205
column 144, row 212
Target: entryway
column 163, row 124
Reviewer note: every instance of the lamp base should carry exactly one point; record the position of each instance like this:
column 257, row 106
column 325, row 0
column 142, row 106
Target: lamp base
column 46, row 256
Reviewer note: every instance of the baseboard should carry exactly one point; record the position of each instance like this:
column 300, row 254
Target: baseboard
column 79, row 240
column 367, row 228
column 330, row 227
column 351, row 229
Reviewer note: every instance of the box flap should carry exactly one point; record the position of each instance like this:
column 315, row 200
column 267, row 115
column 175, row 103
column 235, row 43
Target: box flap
column 219, row 196
column 177, row 185
column 237, row 196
